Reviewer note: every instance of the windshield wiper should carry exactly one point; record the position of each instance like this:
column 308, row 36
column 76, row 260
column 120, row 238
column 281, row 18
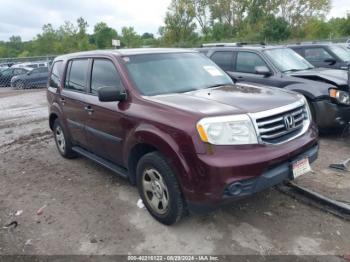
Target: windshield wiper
column 218, row 85
column 292, row 70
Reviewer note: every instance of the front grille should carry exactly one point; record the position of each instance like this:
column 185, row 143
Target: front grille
column 282, row 126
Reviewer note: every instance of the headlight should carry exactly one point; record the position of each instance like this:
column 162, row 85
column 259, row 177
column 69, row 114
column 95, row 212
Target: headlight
column 227, row 130
column 342, row 97
column 307, row 108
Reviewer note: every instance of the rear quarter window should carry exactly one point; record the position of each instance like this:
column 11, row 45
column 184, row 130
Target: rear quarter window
column 56, row 73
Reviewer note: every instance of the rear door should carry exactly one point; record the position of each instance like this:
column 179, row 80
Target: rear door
column 73, row 99
column 104, row 126
column 41, row 76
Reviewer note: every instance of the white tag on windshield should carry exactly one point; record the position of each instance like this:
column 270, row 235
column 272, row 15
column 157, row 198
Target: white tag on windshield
column 212, row 70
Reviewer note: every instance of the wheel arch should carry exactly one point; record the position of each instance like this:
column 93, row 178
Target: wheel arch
column 147, row 139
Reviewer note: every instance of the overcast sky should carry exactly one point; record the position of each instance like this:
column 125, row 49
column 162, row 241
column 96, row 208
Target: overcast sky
column 26, row 17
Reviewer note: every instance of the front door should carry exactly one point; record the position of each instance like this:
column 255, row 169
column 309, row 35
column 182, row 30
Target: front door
column 104, row 126
column 244, row 69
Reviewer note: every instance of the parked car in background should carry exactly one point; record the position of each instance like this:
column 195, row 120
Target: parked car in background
column 7, row 74
column 3, row 68
column 35, row 78
column 327, row 90
column 326, row 55
column 176, row 125
column 32, row 64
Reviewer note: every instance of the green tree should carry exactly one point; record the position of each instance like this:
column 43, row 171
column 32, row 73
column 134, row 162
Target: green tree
column 316, row 29
column 180, row 27
column 275, row 29
column 103, row 35
column 130, row 38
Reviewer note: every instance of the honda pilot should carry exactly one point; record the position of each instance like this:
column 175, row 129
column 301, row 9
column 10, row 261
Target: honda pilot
column 176, row 126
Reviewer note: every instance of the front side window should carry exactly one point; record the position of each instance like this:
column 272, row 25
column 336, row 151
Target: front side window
column 287, row 60
column 223, row 59
column 77, row 75
column 56, row 74
column 104, row 74
column 317, row 54
column 247, row 61
column 156, row 74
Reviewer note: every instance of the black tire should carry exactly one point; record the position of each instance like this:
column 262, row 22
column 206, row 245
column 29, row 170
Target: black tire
column 175, row 204
column 59, row 134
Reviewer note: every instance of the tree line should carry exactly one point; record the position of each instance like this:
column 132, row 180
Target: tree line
column 189, row 23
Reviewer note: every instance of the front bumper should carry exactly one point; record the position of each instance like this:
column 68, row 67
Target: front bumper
column 330, row 115
column 253, row 168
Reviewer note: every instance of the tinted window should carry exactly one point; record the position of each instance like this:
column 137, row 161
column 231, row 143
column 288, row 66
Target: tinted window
column 223, row 59
column 56, row 74
column 7, row 72
column 40, row 70
column 247, row 61
column 316, row 54
column 104, row 73
column 77, row 75
column 19, row 71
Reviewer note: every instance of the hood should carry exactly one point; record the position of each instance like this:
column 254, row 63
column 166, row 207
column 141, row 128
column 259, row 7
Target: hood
column 235, row 99
column 331, row 76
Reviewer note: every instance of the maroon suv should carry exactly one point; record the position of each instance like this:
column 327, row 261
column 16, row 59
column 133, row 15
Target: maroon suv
column 175, row 124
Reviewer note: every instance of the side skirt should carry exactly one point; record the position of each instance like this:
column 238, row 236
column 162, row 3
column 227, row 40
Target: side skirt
column 103, row 162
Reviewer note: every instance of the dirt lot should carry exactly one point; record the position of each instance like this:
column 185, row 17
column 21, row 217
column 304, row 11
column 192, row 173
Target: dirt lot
column 89, row 210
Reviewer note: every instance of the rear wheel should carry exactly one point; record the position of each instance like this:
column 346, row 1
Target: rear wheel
column 159, row 189
column 63, row 142
column 19, row 85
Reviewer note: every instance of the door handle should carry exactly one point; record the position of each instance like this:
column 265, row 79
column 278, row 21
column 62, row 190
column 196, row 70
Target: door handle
column 89, row 109
column 63, row 101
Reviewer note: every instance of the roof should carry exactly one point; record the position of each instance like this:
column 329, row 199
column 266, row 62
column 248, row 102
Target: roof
column 128, row 52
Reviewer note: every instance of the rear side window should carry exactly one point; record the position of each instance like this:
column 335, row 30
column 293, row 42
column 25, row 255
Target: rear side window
column 19, row 71
column 104, row 74
column 223, row 59
column 247, row 61
column 318, row 54
column 77, row 75
column 56, row 74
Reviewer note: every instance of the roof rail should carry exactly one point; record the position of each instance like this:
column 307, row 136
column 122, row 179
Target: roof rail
column 218, row 44
column 231, row 44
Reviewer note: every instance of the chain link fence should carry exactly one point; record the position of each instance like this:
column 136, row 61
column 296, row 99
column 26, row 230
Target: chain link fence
column 25, row 73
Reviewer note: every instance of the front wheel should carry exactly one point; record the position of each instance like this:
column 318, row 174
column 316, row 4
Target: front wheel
column 159, row 189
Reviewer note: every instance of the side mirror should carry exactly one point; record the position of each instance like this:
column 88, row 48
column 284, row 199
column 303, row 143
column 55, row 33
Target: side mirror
column 262, row 70
column 29, row 73
column 111, row 94
column 330, row 61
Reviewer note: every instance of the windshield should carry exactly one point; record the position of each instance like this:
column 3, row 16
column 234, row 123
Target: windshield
column 285, row 59
column 156, row 74
column 342, row 52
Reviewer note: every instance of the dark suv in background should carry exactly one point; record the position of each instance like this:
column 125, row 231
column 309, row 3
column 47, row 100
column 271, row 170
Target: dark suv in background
column 326, row 90
column 176, row 125
column 326, row 55
column 35, row 78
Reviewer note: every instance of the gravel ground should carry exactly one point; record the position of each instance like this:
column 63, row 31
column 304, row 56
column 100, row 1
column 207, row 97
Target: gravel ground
column 88, row 210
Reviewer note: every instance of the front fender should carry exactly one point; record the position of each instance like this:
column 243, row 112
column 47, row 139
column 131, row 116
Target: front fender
column 163, row 142
column 310, row 91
